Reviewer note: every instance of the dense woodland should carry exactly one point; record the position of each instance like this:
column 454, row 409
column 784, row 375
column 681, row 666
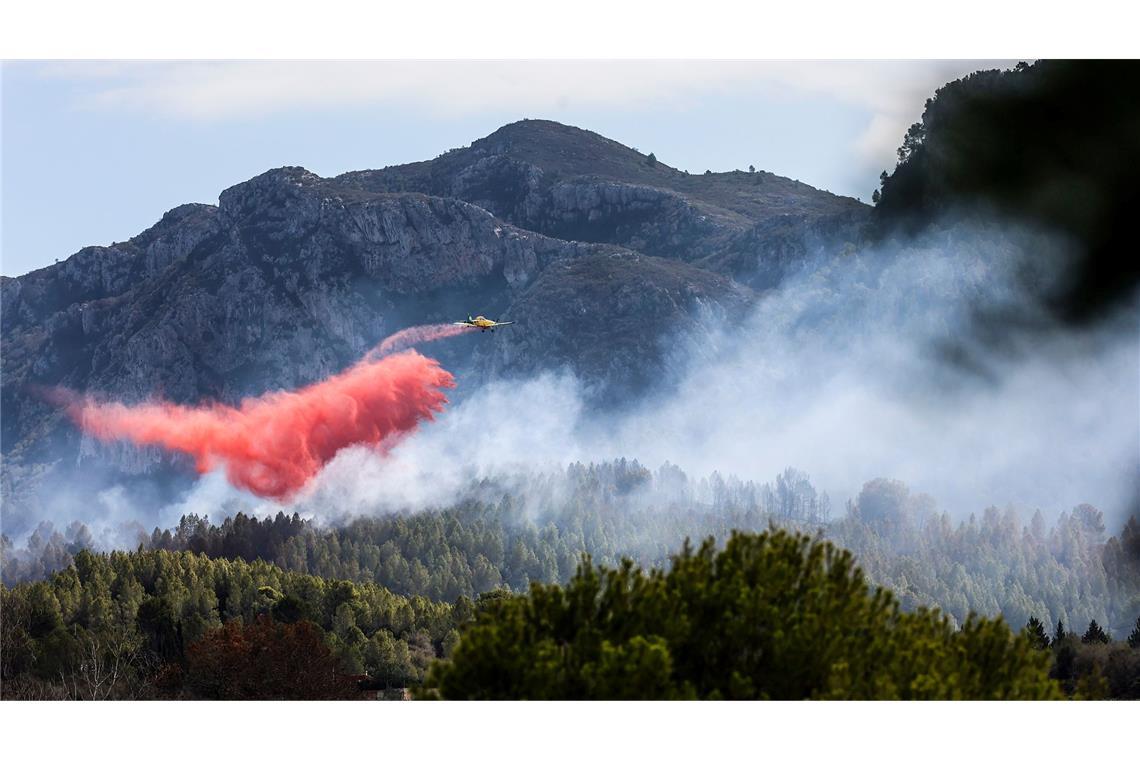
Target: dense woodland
column 380, row 599
column 582, row 583
column 157, row 623
column 1002, row 561
column 771, row 616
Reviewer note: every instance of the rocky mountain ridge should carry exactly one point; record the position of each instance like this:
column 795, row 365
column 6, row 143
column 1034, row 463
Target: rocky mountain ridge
column 598, row 253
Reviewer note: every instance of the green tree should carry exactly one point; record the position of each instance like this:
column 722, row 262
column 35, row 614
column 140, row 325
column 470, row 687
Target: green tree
column 913, row 138
column 1092, row 685
column 772, row 615
column 1059, row 634
column 388, row 660
column 1095, row 634
column 17, row 648
column 1134, row 637
column 292, row 609
column 1035, row 630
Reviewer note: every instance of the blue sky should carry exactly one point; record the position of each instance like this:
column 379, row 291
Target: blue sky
column 95, row 152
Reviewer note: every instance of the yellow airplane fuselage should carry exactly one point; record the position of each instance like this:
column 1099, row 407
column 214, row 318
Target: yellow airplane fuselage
column 483, row 323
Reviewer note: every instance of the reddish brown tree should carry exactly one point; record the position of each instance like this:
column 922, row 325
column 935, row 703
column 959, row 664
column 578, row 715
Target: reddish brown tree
column 263, row 660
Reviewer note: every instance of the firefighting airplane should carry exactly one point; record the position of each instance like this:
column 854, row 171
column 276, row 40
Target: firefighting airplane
column 482, row 323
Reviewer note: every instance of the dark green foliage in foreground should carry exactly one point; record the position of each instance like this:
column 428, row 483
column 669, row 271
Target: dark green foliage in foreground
column 1035, row 630
column 772, row 615
column 160, row 623
column 1092, row 666
column 1096, row 669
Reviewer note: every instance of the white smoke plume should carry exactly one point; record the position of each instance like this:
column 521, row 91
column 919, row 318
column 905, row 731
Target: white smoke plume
column 842, row 372
column 859, row 365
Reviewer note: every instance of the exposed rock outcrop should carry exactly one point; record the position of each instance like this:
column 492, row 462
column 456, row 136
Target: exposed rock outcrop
column 597, row 255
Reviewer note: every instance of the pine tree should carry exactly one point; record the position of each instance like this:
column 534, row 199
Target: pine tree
column 1035, row 629
column 1095, row 634
column 1134, row 637
column 714, row 626
column 1059, row 635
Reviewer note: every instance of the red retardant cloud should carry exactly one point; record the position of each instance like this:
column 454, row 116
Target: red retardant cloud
column 273, row 444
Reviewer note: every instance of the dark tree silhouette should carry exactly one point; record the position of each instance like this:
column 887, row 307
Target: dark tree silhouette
column 1035, row 630
column 1095, row 634
column 1052, row 144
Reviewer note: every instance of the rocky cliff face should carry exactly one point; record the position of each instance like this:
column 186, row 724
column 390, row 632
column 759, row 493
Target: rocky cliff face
column 598, row 255
column 573, row 184
column 624, row 308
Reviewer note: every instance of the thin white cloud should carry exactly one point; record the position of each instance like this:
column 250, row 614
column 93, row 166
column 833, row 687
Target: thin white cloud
column 221, row 90
column 893, row 92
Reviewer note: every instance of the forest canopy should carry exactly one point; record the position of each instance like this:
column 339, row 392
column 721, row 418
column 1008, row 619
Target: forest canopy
column 770, row 616
column 379, row 601
column 1003, row 561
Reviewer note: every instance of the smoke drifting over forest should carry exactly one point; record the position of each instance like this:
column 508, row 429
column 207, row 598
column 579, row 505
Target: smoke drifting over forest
column 924, row 415
column 876, row 363
column 859, row 366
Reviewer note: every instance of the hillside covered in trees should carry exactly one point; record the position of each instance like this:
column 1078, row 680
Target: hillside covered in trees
column 156, row 623
column 567, row 583
column 770, row 616
column 1003, row 561
column 380, row 599
column 775, row 614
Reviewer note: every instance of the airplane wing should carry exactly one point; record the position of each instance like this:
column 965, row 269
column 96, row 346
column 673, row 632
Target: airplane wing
column 500, row 324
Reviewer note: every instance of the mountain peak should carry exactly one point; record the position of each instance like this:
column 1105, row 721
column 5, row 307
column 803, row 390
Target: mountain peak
column 551, row 134
column 292, row 276
column 567, row 150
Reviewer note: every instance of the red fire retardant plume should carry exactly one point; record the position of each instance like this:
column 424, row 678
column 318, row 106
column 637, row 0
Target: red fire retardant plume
column 273, row 444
